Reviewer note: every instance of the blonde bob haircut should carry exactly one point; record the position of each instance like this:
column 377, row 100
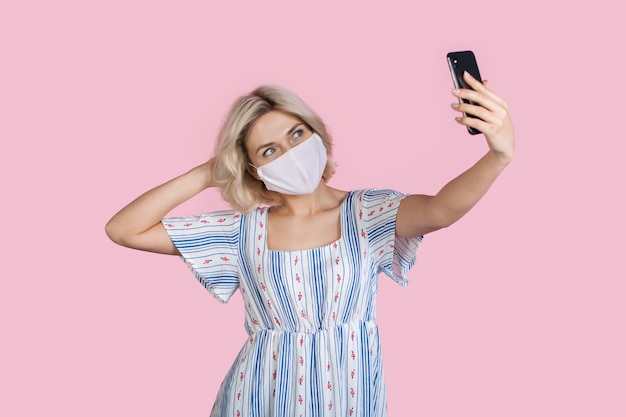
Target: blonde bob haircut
column 229, row 164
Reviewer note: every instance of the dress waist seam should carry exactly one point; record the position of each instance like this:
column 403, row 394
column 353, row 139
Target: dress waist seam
column 311, row 331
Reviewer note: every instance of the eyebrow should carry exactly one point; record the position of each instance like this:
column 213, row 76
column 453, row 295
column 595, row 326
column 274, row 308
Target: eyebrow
column 288, row 132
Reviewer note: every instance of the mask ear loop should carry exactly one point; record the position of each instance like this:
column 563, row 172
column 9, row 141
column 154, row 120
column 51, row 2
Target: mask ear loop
column 254, row 172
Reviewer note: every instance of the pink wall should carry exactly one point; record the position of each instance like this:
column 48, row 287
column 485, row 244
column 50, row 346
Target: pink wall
column 518, row 310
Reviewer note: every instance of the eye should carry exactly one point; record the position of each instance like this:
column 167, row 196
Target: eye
column 298, row 133
column 269, row 151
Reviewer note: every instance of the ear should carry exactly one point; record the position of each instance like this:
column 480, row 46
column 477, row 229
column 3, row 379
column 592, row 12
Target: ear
column 252, row 171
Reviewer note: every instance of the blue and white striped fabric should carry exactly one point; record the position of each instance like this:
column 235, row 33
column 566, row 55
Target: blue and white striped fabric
column 313, row 347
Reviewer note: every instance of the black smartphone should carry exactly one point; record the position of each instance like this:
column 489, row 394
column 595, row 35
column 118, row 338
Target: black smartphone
column 458, row 63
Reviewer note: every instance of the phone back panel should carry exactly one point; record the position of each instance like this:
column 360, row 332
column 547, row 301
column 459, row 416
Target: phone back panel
column 458, row 63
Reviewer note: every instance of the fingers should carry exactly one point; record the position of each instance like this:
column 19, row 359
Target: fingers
column 477, row 97
column 477, row 124
column 478, row 111
column 489, row 111
column 484, row 104
column 481, row 94
column 485, row 120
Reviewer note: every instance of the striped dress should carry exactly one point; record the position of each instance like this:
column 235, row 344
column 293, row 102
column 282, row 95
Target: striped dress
column 313, row 347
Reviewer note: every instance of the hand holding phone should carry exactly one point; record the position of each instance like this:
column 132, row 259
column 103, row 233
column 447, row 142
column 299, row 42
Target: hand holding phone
column 459, row 62
column 483, row 110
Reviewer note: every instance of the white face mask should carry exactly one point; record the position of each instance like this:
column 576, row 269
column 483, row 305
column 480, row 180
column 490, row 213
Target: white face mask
column 298, row 171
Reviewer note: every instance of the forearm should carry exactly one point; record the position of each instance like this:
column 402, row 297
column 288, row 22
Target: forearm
column 457, row 197
column 147, row 210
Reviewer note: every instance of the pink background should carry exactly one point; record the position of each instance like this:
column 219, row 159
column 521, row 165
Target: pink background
column 517, row 310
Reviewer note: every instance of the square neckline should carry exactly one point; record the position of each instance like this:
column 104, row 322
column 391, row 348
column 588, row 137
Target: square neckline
column 342, row 219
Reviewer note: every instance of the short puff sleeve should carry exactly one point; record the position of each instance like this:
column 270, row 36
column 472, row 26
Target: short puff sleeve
column 209, row 246
column 392, row 255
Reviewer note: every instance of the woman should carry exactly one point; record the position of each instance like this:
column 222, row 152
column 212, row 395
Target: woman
column 304, row 255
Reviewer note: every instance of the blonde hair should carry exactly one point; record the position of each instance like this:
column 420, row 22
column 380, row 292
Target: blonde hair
column 229, row 165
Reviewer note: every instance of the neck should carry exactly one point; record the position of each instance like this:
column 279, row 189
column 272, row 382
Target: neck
column 305, row 205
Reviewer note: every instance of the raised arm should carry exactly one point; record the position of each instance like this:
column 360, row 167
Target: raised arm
column 138, row 225
column 421, row 214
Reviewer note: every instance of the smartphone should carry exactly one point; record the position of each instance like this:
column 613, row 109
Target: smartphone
column 458, row 63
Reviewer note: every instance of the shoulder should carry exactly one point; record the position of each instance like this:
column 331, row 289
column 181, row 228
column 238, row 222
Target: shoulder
column 377, row 208
column 371, row 197
column 222, row 218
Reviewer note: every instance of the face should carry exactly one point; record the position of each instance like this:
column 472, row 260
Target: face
column 273, row 134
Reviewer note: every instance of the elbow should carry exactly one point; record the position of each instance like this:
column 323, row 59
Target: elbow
column 115, row 233
column 110, row 231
